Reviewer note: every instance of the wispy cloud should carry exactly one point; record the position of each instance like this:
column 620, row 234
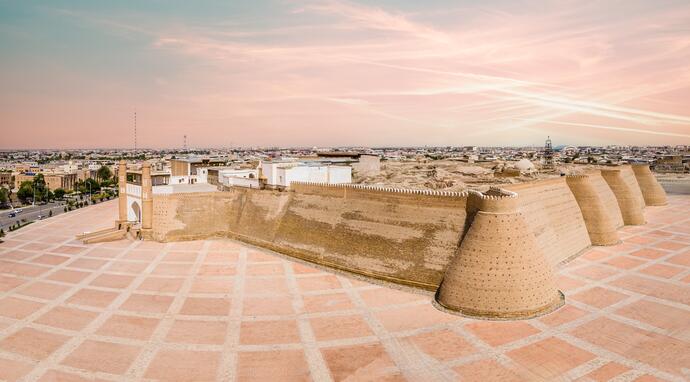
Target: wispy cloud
column 495, row 73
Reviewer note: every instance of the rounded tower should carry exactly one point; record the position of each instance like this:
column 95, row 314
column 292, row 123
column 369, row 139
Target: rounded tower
column 499, row 271
column 653, row 193
column 600, row 226
column 628, row 202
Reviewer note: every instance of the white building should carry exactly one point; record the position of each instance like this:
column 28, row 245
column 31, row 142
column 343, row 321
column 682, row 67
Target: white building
column 279, row 175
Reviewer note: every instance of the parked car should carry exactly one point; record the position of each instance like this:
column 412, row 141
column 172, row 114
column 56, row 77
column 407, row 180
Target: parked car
column 11, row 214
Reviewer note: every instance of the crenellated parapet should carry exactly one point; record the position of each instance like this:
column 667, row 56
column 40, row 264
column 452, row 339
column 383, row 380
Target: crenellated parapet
column 628, row 202
column 653, row 193
column 499, row 271
column 316, row 187
column 600, row 224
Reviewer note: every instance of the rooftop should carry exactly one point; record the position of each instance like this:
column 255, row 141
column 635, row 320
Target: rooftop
column 222, row 310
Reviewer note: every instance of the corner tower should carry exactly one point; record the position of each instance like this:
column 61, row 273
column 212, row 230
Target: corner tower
column 499, row 271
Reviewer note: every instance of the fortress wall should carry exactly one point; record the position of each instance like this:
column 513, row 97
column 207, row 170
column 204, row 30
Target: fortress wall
column 552, row 213
column 402, row 237
column 191, row 216
column 406, row 237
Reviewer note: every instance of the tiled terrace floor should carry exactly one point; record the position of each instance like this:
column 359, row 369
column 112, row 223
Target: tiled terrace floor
column 218, row 310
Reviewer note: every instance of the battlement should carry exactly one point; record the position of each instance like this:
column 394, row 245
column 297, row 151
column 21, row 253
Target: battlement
column 315, row 187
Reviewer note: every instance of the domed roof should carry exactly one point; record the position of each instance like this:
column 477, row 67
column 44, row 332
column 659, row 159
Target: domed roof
column 524, row 165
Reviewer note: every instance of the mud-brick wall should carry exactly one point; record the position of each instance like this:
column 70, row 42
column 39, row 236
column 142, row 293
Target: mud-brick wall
column 194, row 216
column 402, row 237
column 551, row 211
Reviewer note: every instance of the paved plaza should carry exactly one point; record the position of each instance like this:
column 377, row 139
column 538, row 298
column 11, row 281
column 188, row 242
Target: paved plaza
column 220, row 310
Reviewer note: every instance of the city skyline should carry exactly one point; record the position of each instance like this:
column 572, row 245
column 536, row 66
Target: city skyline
column 338, row 73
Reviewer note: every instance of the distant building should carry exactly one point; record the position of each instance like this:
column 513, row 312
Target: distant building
column 186, row 170
column 279, row 175
column 5, row 178
column 362, row 164
column 670, row 163
column 53, row 180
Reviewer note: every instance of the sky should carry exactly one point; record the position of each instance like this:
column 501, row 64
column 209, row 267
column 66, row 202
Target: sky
column 239, row 73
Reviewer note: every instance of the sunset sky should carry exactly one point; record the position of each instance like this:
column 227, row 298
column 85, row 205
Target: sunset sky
column 335, row 73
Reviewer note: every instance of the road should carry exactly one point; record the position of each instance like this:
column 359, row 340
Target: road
column 30, row 214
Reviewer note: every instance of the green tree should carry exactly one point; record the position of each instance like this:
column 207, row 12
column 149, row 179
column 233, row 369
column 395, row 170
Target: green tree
column 26, row 191
column 90, row 185
column 59, row 193
column 104, row 174
column 40, row 187
column 4, row 196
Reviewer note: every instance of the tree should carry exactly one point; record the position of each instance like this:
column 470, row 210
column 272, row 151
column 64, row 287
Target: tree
column 4, row 196
column 26, row 191
column 49, row 195
column 59, row 193
column 40, row 187
column 90, row 185
column 104, row 174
